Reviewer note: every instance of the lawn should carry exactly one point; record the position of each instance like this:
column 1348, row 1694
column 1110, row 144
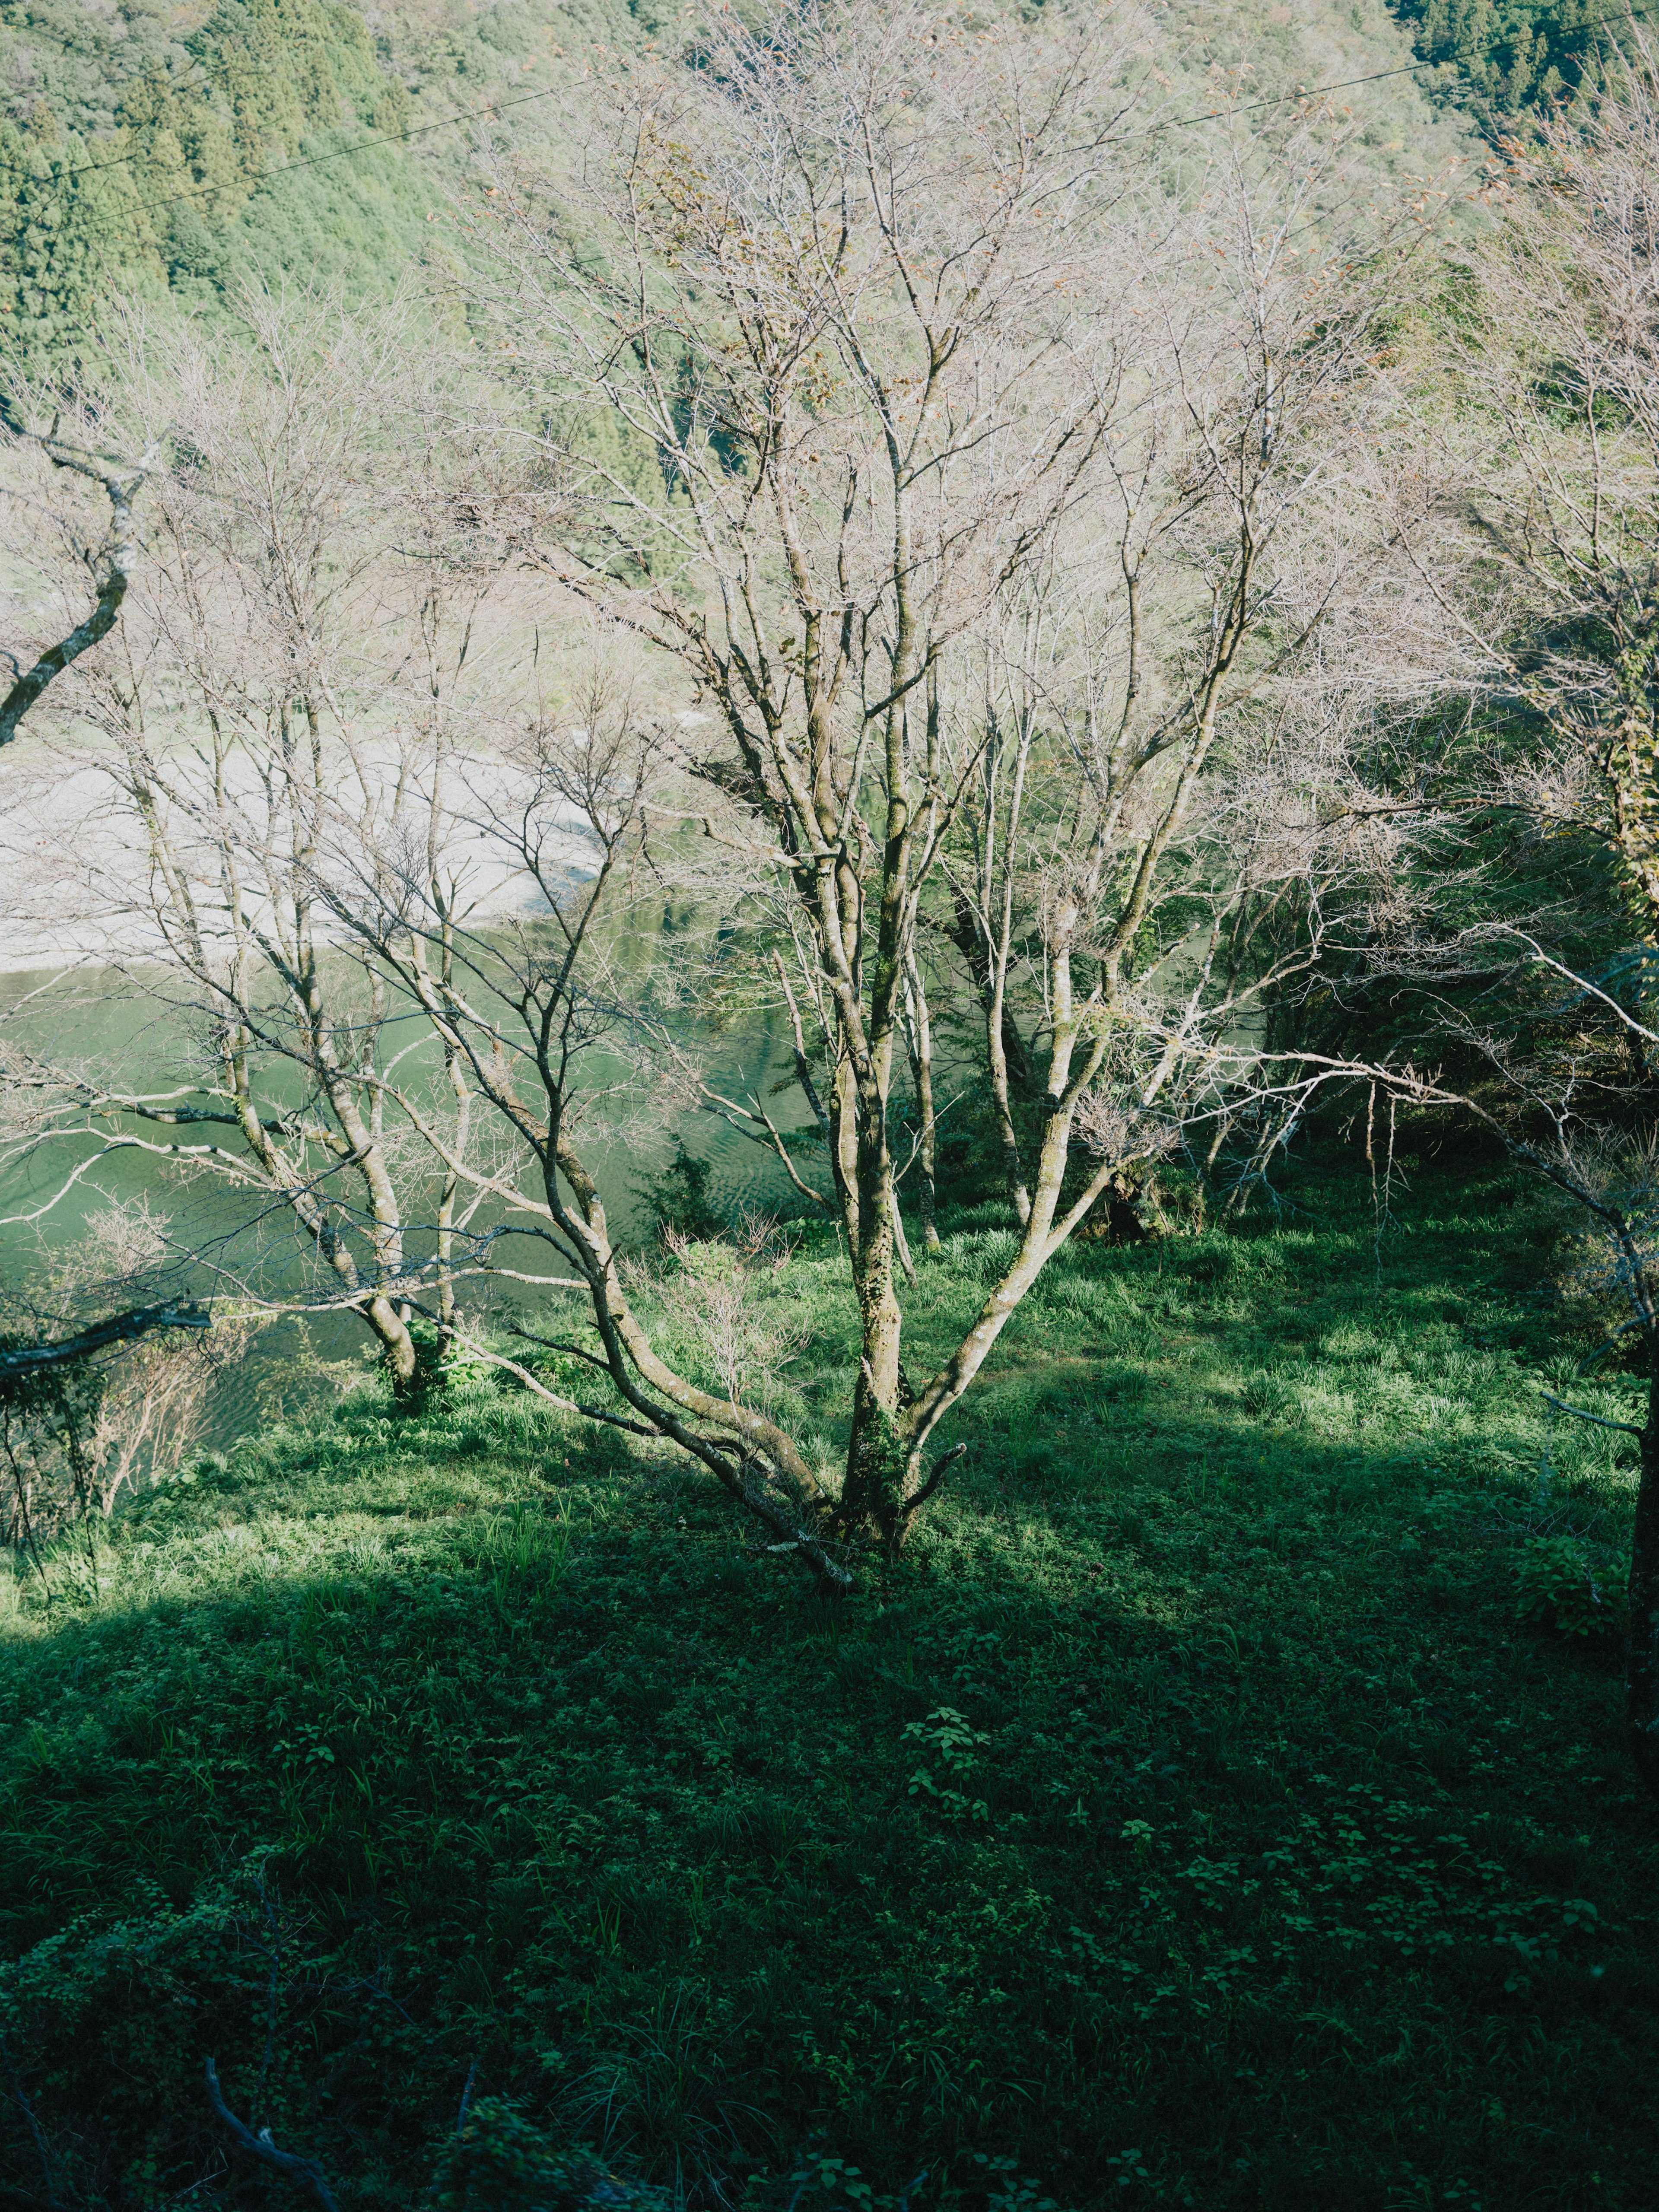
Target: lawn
column 1189, row 1818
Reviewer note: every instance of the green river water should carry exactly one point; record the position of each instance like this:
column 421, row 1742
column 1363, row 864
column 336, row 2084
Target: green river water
column 99, row 1022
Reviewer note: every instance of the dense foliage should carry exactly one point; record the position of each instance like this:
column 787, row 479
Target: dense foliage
column 137, row 159
column 183, row 152
column 1513, row 54
column 190, row 151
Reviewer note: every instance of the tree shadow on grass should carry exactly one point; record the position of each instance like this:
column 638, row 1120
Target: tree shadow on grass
column 1179, row 1812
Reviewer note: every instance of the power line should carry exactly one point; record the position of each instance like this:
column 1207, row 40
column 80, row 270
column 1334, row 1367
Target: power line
column 498, row 107
column 1350, row 84
column 310, row 162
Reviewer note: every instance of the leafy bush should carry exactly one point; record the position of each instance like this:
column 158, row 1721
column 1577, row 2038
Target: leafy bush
column 1557, row 1587
column 502, row 2162
column 677, row 1199
column 1151, row 1204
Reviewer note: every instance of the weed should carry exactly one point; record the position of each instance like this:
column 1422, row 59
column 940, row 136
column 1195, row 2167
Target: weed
column 1558, row 1586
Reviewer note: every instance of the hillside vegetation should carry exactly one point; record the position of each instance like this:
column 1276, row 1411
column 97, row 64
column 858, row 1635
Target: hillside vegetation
column 1040, row 628
column 1194, row 1819
column 140, row 143
column 143, row 146
column 157, row 152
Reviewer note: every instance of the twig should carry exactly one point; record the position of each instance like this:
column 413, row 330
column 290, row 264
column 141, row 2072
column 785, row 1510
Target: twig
column 734, row 1117
column 1601, row 1421
column 901, row 1245
column 935, row 1477
column 530, row 1382
column 303, row 2172
column 557, row 1344
column 27, row 2110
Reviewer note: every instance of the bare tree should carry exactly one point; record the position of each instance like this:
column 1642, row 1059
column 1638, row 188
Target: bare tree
column 318, row 631
column 874, row 295
column 1567, row 503
column 67, row 439
column 1509, row 928
column 985, row 500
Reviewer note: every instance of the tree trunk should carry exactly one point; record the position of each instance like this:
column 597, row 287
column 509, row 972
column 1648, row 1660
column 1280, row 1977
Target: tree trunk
column 397, row 1344
column 1013, row 1172
column 1006, row 1057
column 921, row 1069
column 458, row 1083
column 873, row 1492
column 843, row 1157
column 1641, row 1663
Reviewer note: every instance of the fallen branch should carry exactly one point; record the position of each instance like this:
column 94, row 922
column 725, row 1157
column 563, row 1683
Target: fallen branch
column 120, row 1329
column 303, row 2173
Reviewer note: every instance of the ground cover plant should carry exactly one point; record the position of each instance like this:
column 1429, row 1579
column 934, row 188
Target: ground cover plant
column 1222, row 1804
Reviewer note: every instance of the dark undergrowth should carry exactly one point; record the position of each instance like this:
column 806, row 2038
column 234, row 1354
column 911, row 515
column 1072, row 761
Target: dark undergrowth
column 1189, row 1819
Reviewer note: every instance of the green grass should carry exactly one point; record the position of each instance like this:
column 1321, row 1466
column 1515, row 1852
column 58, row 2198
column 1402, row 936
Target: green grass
column 1186, row 1820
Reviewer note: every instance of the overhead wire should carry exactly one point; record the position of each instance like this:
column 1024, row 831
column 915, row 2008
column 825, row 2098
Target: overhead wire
column 310, row 161
column 1350, row 84
column 1629, row 13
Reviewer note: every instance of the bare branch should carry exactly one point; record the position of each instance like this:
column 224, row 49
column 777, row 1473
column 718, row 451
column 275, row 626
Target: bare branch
column 301, row 2173
column 120, row 1329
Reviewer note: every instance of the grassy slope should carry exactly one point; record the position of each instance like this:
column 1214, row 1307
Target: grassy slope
column 1281, row 1869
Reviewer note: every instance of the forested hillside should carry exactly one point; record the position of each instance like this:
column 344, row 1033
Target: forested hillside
column 152, row 151
column 1508, row 55
column 142, row 143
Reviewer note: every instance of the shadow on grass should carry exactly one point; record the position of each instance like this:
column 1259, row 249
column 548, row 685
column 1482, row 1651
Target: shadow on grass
column 1186, row 1821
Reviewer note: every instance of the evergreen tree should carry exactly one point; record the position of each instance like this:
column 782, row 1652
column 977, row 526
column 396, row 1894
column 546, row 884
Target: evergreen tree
column 63, row 239
column 1515, row 53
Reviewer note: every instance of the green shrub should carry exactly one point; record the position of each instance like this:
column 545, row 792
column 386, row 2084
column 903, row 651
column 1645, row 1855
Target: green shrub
column 502, row 2162
column 677, row 1199
column 1557, row 1586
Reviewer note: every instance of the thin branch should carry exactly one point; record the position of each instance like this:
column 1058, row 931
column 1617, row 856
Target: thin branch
column 935, row 1477
column 531, row 1382
column 1601, row 1421
column 303, row 2172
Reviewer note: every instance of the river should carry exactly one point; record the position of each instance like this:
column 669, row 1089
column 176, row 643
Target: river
column 97, row 1019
